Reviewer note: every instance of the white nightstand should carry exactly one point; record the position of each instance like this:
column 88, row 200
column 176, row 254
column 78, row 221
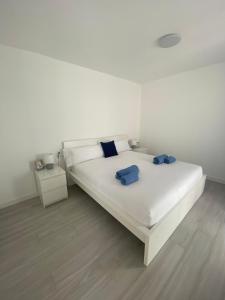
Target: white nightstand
column 141, row 149
column 51, row 185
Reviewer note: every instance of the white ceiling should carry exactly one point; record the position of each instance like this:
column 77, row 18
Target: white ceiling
column 118, row 36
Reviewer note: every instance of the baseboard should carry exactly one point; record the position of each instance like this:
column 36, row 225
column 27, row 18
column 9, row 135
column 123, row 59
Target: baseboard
column 214, row 179
column 18, row 200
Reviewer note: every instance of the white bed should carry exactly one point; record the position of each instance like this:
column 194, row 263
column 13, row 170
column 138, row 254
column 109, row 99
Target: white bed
column 152, row 207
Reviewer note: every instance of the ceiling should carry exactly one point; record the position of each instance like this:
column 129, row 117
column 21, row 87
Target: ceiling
column 118, row 36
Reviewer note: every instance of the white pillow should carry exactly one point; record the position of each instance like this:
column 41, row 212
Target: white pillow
column 81, row 154
column 122, row 146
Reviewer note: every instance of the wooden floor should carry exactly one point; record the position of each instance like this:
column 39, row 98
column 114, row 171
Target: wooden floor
column 76, row 250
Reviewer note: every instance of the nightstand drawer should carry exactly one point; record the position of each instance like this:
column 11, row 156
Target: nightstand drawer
column 53, row 183
column 54, row 195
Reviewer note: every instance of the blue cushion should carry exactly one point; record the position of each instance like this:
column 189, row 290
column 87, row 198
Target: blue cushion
column 126, row 171
column 158, row 160
column 129, row 178
column 109, row 149
column 170, row 160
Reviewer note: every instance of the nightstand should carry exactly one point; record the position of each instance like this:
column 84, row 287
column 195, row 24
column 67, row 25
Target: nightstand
column 141, row 149
column 51, row 185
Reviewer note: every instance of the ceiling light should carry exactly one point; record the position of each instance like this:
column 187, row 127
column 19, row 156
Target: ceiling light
column 169, row 40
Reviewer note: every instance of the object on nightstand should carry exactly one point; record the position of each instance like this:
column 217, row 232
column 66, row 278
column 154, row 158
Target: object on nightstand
column 51, row 184
column 58, row 157
column 39, row 164
column 134, row 143
column 49, row 160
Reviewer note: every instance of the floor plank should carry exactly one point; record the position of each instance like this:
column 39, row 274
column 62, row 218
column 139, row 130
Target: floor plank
column 76, row 250
column 212, row 280
column 186, row 276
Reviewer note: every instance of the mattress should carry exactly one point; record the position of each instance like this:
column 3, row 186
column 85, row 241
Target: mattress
column 158, row 190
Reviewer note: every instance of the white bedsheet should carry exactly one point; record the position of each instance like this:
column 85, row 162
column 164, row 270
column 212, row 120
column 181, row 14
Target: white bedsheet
column 158, row 190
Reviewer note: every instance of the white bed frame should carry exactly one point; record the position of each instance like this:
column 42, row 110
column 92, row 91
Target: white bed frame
column 153, row 238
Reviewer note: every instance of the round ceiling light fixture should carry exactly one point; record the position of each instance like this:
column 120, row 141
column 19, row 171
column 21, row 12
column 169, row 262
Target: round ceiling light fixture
column 169, row 40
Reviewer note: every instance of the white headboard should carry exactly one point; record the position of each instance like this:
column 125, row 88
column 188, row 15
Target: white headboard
column 86, row 142
column 91, row 141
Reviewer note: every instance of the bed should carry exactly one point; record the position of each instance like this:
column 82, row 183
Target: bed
column 151, row 208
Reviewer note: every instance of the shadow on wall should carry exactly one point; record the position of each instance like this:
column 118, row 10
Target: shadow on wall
column 25, row 184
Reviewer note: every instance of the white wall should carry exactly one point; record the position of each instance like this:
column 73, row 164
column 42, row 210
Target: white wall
column 184, row 115
column 43, row 102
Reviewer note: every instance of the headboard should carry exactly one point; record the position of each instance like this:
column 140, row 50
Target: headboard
column 86, row 142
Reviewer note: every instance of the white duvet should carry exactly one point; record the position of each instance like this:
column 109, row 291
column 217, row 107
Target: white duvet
column 158, row 190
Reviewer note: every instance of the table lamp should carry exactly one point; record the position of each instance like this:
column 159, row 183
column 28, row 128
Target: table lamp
column 49, row 160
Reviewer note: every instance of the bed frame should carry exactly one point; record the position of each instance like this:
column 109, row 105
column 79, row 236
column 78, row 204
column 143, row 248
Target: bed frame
column 153, row 238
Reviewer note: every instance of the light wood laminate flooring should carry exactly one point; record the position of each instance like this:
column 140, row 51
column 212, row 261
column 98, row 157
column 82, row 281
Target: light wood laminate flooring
column 76, row 250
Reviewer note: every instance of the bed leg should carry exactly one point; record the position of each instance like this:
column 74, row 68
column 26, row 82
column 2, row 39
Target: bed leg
column 147, row 254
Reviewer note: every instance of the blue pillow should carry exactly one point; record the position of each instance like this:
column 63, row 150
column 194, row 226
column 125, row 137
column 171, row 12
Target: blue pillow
column 109, row 149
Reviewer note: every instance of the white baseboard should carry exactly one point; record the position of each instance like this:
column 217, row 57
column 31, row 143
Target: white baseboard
column 18, row 200
column 218, row 180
